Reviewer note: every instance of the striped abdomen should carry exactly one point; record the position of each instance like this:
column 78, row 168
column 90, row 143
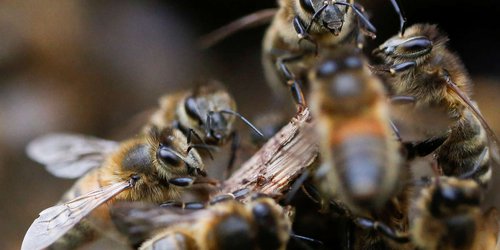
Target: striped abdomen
column 465, row 154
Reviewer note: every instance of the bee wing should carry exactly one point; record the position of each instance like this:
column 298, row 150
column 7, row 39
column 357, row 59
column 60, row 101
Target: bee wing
column 138, row 221
column 54, row 222
column 69, row 155
column 493, row 141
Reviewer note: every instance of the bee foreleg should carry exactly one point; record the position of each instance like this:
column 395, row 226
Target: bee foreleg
column 235, row 143
column 381, row 228
column 401, row 67
column 303, row 32
column 292, row 82
column 425, row 147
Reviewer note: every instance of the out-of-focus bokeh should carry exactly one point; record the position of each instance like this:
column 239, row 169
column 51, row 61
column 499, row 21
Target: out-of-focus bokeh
column 90, row 66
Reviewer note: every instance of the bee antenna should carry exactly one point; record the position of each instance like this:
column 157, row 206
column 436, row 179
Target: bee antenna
column 206, row 147
column 370, row 28
column 402, row 16
column 248, row 123
column 315, row 16
column 304, row 238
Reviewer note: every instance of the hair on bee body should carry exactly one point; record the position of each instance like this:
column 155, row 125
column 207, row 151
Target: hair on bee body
column 152, row 167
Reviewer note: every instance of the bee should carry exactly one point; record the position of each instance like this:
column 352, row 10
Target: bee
column 361, row 159
column 259, row 224
column 447, row 215
column 328, row 24
column 152, row 167
column 420, row 65
column 207, row 112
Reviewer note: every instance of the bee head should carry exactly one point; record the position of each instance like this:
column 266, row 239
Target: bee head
column 416, row 45
column 330, row 15
column 203, row 111
column 171, row 157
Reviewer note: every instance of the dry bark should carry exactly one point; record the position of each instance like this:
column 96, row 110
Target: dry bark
column 280, row 161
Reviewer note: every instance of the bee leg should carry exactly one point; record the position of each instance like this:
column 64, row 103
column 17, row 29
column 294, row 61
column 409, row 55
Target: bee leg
column 303, row 32
column 424, row 148
column 295, row 187
column 402, row 16
column 381, row 228
column 396, row 131
column 181, row 181
column 294, row 84
column 394, row 69
column 235, row 143
column 183, row 205
column 401, row 67
column 331, row 205
column 367, row 27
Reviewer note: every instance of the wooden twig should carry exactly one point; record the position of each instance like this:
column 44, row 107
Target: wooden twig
column 280, row 161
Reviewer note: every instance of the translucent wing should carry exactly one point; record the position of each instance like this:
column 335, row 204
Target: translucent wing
column 69, row 155
column 138, row 221
column 55, row 221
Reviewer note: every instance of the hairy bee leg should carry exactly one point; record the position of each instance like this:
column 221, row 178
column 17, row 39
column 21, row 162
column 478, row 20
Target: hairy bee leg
column 381, row 228
column 402, row 16
column 393, row 69
column 294, row 84
column 424, row 148
column 235, row 144
column 303, row 33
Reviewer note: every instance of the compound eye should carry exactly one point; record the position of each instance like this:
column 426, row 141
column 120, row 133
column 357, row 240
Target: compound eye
column 191, row 108
column 307, row 6
column 169, row 157
column 327, row 69
column 420, row 45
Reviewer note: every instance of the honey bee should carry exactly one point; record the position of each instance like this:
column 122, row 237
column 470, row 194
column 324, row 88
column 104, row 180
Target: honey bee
column 361, row 160
column 153, row 167
column 447, row 215
column 420, row 65
column 207, row 112
column 328, row 24
column 259, row 224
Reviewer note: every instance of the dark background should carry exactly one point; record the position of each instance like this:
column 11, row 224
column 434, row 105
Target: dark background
column 90, row 66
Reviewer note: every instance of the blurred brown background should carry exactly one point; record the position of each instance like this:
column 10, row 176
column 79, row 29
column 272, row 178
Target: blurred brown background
column 89, row 66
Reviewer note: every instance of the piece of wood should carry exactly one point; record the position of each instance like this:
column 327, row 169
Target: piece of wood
column 280, row 161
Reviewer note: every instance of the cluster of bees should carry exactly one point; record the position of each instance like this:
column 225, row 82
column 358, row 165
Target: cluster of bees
column 371, row 121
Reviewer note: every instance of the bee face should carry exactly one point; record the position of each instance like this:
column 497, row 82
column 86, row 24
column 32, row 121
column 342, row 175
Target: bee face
column 170, row 150
column 204, row 112
column 332, row 14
